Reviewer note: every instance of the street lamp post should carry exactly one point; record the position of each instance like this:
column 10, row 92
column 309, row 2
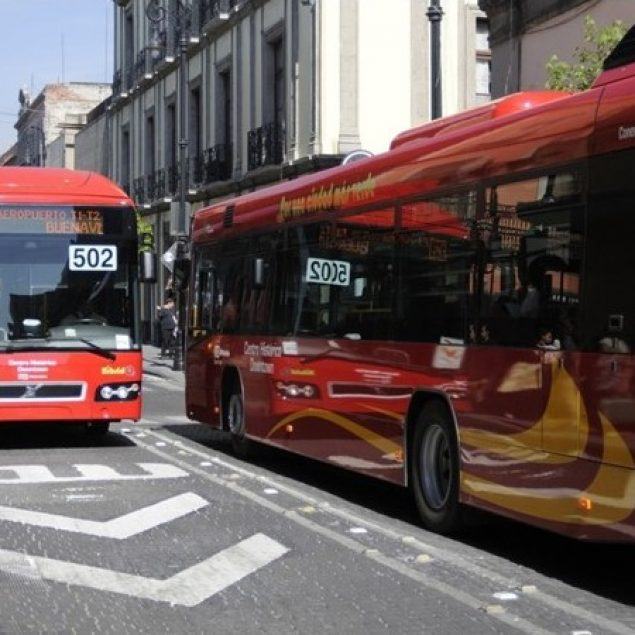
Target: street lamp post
column 435, row 13
column 157, row 14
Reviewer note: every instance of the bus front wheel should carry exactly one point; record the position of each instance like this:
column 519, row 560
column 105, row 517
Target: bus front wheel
column 435, row 469
column 236, row 423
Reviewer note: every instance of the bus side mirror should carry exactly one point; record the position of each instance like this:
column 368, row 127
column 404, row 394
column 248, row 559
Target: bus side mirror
column 148, row 267
column 259, row 273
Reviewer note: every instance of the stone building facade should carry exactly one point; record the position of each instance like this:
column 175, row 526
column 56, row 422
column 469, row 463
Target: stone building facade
column 524, row 34
column 47, row 124
column 273, row 89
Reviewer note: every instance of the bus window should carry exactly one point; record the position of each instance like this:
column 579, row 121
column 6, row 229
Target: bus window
column 337, row 278
column 609, row 303
column 259, row 281
column 532, row 236
column 434, row 255
column 203, row 292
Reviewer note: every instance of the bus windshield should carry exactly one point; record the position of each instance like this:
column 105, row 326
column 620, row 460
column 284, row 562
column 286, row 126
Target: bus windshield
column 60, row 289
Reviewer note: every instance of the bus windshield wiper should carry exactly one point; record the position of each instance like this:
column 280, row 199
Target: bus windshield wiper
column 31, row 345
column 98, row 349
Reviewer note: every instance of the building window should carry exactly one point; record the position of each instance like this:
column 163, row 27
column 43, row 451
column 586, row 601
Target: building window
column 149, row 161
column 266, row 145
column 125, row 161
column 170, row 147
column 128, row 51
column 196, row 136
column 277, row 53
column 483, row 61
column 224, row 116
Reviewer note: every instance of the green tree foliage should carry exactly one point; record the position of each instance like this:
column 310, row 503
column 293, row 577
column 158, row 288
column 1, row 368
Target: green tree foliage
column 598, row 43
column 146, row 237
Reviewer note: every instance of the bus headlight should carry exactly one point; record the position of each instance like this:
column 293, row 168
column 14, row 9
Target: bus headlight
column 295, row 390
column 118, row 392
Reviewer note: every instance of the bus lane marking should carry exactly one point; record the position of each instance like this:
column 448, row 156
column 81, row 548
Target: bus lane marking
column 567, row 608
column 118, row 528
column 186, row 588
column 23, row 474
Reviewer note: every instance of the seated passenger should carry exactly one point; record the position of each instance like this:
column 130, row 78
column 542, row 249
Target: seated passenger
column 547, row 341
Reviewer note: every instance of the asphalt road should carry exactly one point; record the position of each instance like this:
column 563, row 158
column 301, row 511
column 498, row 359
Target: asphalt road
column 158, row 528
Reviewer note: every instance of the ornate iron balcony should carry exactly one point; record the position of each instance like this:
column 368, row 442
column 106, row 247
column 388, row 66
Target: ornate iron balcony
column 266, row 145
column 138, row 186
column 218, row 163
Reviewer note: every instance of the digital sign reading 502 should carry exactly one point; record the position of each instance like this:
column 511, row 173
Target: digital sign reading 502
column 51, row 220
column 92, row 257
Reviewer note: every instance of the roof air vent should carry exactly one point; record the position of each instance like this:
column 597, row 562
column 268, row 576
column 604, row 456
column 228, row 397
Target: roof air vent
column 228, row 217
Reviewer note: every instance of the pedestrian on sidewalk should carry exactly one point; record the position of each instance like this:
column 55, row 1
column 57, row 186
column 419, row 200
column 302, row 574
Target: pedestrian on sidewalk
column 167, row 320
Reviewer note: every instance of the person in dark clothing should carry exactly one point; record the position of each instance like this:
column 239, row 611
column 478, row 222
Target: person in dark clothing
column 167, row 321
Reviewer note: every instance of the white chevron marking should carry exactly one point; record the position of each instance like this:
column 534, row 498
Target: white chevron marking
column 186, row 588
column 119, row 528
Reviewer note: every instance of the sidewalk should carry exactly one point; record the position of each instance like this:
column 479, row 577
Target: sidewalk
column 154, row 365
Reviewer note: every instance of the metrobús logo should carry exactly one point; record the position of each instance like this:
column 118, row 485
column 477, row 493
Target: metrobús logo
column 117, row 370
column 220, row 353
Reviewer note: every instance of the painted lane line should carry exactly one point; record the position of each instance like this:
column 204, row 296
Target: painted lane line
column 25, row 474
column 186, row 588
column 440, row 553
column 119, row 528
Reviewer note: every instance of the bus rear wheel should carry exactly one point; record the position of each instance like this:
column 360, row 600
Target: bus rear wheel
column 435, row 469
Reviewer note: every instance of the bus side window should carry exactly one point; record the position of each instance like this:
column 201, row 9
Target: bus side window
column 532, row 233
column 203, row 291
column 206, row 297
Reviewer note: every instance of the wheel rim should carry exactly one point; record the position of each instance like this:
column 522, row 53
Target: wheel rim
column 436, row 467
column 235, row 416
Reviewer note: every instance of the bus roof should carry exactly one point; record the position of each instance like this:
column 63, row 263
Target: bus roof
column 519, row 133
column 502, row 107
column 557, row 131
column 41, row 185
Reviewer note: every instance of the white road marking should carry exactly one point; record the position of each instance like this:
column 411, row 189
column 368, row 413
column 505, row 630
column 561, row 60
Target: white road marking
column 88, row 472
column 119, row 528
column 186, row 588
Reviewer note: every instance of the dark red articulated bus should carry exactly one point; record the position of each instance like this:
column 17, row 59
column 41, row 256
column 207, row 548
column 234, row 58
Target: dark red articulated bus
column 454, row 315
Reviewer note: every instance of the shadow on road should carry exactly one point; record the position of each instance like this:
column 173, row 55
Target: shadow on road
column 25, row 436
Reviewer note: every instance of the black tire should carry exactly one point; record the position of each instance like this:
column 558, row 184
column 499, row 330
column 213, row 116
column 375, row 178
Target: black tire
column 97, row 428
column 435, row 470
column 235, row 421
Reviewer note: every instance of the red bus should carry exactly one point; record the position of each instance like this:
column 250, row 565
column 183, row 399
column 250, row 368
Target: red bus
column 453, row 315
column 70, row 341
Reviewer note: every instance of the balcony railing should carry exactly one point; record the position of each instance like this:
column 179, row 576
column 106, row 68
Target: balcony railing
column 139, row 190
column 266, row 145
column 167, row 37
column 160, row 189
column 173, row 180
column 210, row 10
column 143, row 68
column 218, row 163
column 117, row 83
column 198, row 164
column 211, row 165
column 151, row 186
